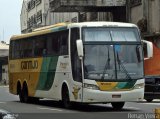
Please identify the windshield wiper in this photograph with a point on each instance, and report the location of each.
(107, 65)
(123, 67)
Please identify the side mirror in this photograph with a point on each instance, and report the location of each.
(148, 49)
(79, 44)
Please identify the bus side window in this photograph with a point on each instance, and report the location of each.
(40, 46)
(64, 43)
(27, 48)
(11, 50)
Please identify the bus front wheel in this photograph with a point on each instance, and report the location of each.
(149, 100)
(65, 97)
(117, 105)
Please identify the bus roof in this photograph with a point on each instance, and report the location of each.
(102, 24)
(41, 31)
(63, 26)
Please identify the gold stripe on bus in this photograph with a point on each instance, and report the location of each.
(25, 70)
(16, 37)
(39, 31)
(104, 86)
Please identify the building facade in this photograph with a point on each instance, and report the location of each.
(38, 13)
(24, 16)
(146, 14)
(81, 17)
(34, 14)
(88, 10)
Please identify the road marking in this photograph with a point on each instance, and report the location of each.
(152, 103)
(2, 102)
(4, 86)
(132, 108)
(49, 109)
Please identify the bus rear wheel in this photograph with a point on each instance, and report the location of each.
(33, 100)
(20, 96)
(65, 98)
(19, 92)
(24, 94)
(117, 105)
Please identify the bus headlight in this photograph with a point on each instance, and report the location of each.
(91, 86)
(139, 86)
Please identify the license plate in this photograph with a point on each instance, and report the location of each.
(116, 96)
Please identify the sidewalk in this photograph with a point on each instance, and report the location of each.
(4, 85)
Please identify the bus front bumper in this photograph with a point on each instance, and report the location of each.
(96, 96)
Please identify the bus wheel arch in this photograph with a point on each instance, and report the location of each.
(65, 96)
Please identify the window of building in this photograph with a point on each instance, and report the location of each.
(39, 17)
(134, 3)
(32, 2)
(31, 5)
(37, 2)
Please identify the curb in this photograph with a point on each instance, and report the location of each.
(5, 86)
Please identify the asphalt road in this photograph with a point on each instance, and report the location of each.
(48, 109)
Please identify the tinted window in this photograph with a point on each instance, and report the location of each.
(75, 62)
(40, 48)
(55, 43)
(111, 34)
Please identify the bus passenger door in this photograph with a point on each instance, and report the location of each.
(77, 89)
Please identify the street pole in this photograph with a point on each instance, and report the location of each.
(3, 34)
(128, 11)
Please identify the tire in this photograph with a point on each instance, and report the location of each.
(117, 105)
(24, 93)
(20, 96)
(33, 100)
(149, 100)
(65, 98)
(19, 92)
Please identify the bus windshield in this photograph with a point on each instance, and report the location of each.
(113, 61)
(118, 34)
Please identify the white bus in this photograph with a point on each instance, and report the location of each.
(90, 62)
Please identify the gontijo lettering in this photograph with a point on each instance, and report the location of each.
(29, 64)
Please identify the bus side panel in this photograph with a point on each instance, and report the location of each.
(47, 73)
(60, 73)
(62, 76)
(24, 70)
